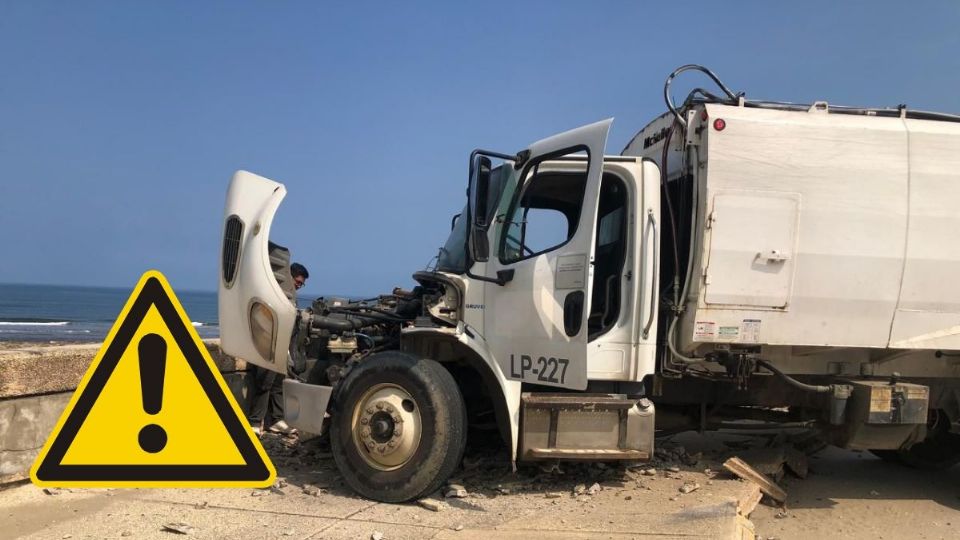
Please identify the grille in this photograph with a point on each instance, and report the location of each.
(231, 248)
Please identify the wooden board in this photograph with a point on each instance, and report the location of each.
(740, 468)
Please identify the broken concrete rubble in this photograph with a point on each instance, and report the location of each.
(689, 487)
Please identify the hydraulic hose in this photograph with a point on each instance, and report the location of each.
(681, 301)
(793, 382)
(688, 67)
(669, 203)
(671, 333)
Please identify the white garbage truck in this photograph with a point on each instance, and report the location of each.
(739, 260)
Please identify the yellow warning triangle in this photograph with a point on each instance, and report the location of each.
(152, 410)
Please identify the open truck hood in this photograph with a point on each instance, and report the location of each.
(256, 316)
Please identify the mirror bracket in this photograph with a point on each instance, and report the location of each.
(520, 159)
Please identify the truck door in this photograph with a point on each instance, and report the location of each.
(536, 323)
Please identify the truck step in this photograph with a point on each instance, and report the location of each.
(586, 427)
(587, 453)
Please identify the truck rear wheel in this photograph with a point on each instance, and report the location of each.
(940, 450)
(399, 427)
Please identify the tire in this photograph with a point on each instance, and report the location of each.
(939, 450)
(433, 414)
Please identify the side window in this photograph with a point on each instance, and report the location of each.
(609, 230)
(544, 228)
(545, 217)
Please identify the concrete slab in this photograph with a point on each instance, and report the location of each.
(24, 426)
(36, 382)
(29, 369)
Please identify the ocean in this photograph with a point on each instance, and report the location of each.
(45, 313)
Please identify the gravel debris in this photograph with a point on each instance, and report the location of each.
(178, 528)
(430, 504)
(456, 491)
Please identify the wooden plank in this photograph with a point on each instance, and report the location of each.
(740, 468)
(745, 529)
(748, 497)
(768, 461)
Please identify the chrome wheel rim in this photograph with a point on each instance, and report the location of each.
(386, 426)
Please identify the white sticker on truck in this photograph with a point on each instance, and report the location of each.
(704, 330)
(750, 331)
(571, 272)
(728, 333)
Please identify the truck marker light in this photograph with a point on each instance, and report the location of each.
(719, 124)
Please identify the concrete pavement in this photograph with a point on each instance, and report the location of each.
(499, 504)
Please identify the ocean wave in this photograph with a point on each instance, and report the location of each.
(34, 323)
(195, 323)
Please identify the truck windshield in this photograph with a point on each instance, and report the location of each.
(453, 256)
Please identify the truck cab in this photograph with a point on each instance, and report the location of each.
(546, 285)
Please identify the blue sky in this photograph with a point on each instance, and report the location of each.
(122, 122)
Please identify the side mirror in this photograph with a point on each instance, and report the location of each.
(481, 189)
(480, 169)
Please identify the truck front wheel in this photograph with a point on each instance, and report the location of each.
(399, 427)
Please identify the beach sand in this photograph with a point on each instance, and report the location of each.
(34, 345)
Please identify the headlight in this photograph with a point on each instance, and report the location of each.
(261, 329)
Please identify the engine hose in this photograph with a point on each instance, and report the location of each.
(338, 324)
(371, 316)
(352, 309)
(818, 389)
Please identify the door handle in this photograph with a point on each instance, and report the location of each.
(573, 313)
(643, 271)
(773, 255)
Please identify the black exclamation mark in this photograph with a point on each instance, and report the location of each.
(153, 362)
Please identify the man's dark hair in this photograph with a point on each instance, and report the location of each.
(297, 269)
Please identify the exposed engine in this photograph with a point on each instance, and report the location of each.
(333, 334)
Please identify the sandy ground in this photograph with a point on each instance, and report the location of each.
(855, 495)
(33, 345)
(846, 495)
(310, 501)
